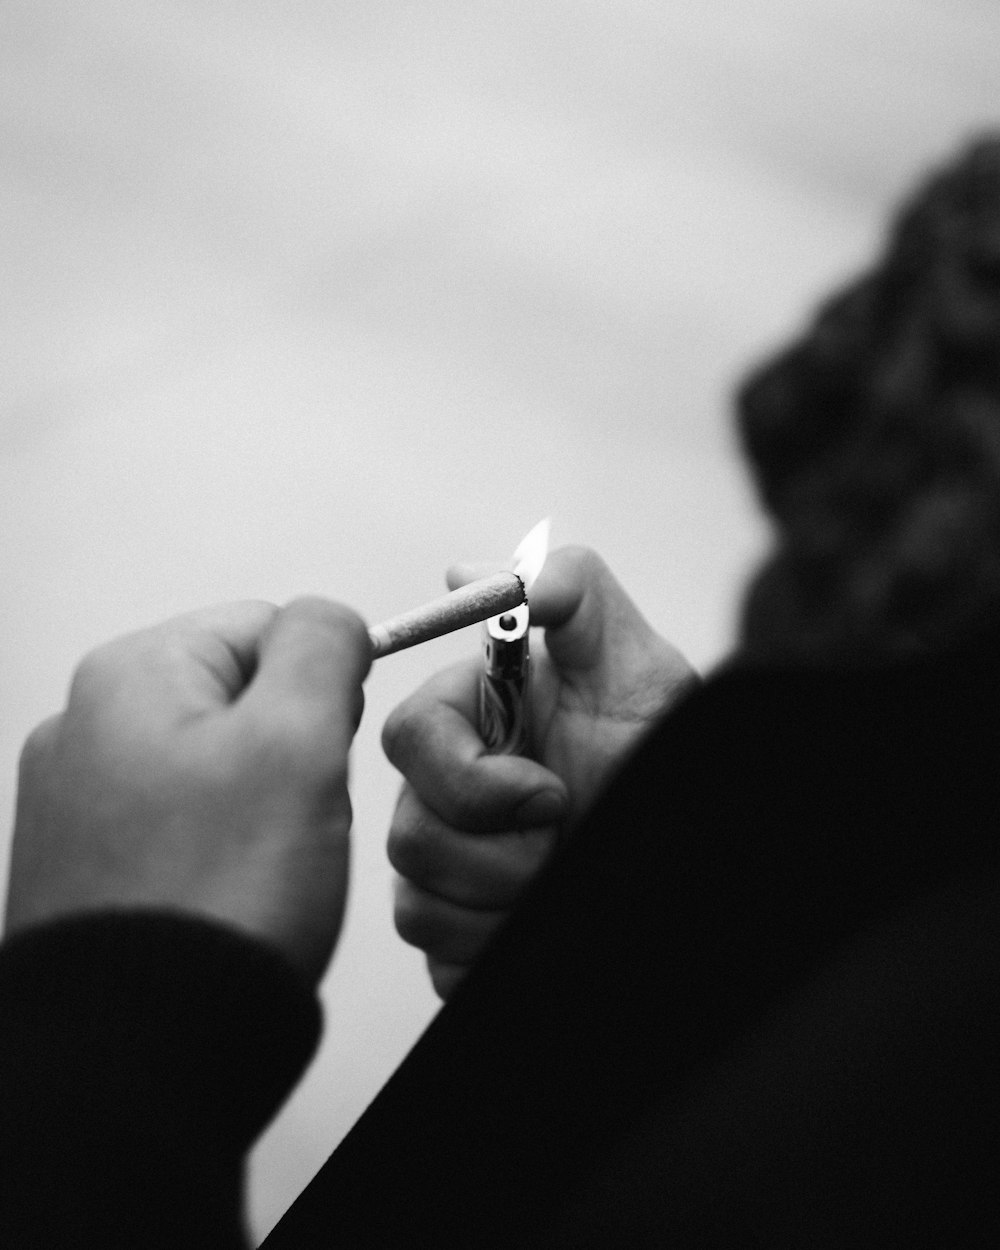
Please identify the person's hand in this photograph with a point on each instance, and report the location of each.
(471, 830)
(201, 765)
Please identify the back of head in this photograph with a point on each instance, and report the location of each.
(875, 442)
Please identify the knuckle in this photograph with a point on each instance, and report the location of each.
(327, 637)
(107, 669)
(93, 673)
(38, 744)
(519, 860)
(402, 733)
(327, 611)
(443, 931)
(405, 847)
(409, 915)
(465, 816)
(330, 615)
(475, 810)
(485, 795)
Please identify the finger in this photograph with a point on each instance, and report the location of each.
(184, 665)
(311, 663)
(37, 747)
(224, 641)
(459, 575)
(33, 779)
(480, 872)
(580, 603)
(239, 625)
(441, 929)
(585, 611)
(570, 577)
(601, 644)
(433, 741)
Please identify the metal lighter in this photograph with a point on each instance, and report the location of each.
(505, 690)
(505, 694)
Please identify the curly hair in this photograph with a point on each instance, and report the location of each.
(875, 442)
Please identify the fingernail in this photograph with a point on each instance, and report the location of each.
(547, 807)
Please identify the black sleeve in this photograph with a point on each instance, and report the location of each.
(140, 1056)
(752, 1002)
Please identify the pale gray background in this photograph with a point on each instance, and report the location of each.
(320, 297)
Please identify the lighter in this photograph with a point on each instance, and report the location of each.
(505, 700)
(505, 694)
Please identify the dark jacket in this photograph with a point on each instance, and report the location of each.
(752, 1003)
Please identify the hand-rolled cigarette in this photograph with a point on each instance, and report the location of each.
(479, 600)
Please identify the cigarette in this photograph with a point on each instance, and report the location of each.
(478, 601)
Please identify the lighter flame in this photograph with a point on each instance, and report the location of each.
(531, 552)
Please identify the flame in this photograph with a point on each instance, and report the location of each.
(531, 553)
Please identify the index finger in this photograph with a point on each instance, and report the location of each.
(224, 641)
(433, 740)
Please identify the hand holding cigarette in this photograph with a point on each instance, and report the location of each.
(473, 828)
(164, 784)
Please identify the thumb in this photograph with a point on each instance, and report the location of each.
(310, 668)
(581, 605)
(598, 640)
(588, 618)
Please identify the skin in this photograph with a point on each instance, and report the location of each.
(471, 830)
(201, 766)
